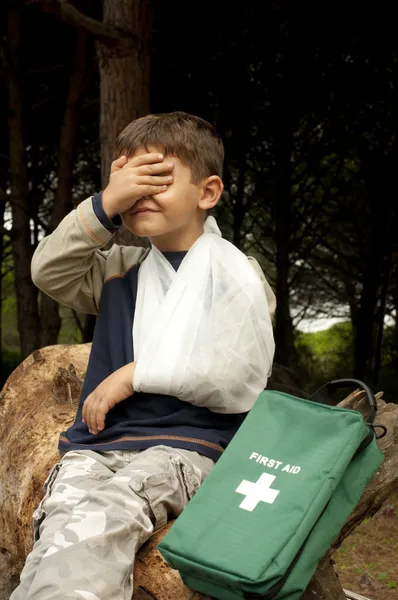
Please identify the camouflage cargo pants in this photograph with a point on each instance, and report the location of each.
(98, 509)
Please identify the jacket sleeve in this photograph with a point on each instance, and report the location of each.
(69, 265)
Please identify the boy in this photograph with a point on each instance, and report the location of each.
(182, 346)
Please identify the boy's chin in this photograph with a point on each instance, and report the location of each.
(142, 229)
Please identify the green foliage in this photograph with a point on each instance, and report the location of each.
(329, 354)
(70, 332)
(325, 355)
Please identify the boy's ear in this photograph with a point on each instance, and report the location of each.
(212, 189)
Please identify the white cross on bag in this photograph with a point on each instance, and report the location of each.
(257, 492)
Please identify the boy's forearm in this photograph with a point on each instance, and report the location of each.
(68, 264)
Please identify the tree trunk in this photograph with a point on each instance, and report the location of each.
(377, 359)
(88, 328)
(26, 292)
(284, 340)
(2, 211)
(124, 74)
(63, 204)
(365, 322)
(124, 82)
(394, 292)
(40, 399)
(367, 317)
(238, 208)
(282, 142)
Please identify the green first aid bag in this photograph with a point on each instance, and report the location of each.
(277, 498)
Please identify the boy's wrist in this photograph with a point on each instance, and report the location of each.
(107, 205)
(112, 225)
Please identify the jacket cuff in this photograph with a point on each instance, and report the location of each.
(90, 223)
(112, 225)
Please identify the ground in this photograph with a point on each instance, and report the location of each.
(367, 563)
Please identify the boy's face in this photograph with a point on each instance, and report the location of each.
(175, 218)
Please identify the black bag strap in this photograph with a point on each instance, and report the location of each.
(323, 395)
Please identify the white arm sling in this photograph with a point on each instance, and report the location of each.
(203, 334)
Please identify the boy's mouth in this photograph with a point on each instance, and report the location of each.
(143, 209)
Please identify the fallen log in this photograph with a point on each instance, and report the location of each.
(40, 399)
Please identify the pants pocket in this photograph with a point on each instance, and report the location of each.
(189, 478)
(168, 493)
(40, 514)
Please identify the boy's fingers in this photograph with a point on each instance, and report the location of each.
(155, 180)
(100, 419)
(87, 412)
(155, 169)
(97, 410)
(146, 159)
(91, 412)
(98, 416)
(84, 411)
(119, 163)
(152, 190)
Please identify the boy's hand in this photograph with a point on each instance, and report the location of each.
(145, 175)
(111, 391)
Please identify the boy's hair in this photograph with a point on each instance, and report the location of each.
(191, 139)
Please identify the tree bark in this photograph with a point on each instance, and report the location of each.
(394, 292)
(380, 225)
(377, 262)
(2, 211)
(88, 328)
(26, 292)
(124, 82)
(284, 340)
(238, 208)
(63, 203)
(365, 321)
(282, 142)
(124, 73)
(377, 359)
